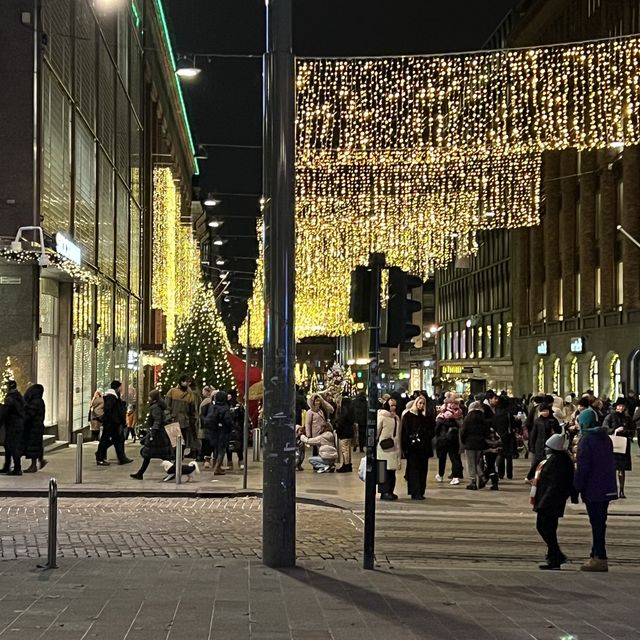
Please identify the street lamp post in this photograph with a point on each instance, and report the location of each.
(279, 491)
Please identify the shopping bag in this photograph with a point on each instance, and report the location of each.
(362, 469)
(619, 444)
(173, 431)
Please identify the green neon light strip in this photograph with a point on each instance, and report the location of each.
(136, 14)
(185, 117)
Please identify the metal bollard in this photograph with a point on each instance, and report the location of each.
(79, 443)
(257, 444)
(179, 460)
(52, 541)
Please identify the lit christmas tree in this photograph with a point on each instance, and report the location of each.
(336, 379)
(200, 347)
(7, 375)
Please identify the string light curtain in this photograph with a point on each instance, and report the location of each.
(176, 257)
(412, 156)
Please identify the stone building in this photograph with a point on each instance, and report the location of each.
(573, 313)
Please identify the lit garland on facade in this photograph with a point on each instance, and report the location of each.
(176, 258)
(412, 156)
(75, 271)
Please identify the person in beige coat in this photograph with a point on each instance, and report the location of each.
(389, 447)
(327, 452)
(316, 418)
(96, 411)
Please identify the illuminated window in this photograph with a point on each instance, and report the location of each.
(594, 376)
(620, 284)
(556, 376)
(540, 376)
(615, 379)
(573, 374)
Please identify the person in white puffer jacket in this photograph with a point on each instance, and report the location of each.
(327, 452)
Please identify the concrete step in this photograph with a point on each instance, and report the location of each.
(51, 444)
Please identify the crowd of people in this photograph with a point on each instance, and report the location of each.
(570, 443)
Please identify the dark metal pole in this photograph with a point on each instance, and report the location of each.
(376, 262)
(279, 489)
(245, 431)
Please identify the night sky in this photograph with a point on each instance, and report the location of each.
(225, 102)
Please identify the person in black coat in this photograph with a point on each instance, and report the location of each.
(114, 420)
(360, 414)
(473, 441)
(544, 426)
(155, 443)
(218, 424)
(447, 440)
(552, 485)
(619, 423)
(344, 431)
(12, 417)
(505, 425)
(34, 427)
(417, 431)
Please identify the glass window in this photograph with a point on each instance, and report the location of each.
(56, 25)
(135, 88)
(598, 287)
(56, 157)
(134, 253)
(122, 234)
(122, 134)
(83, 309)
(85, 63)
(507, 339)
(456, 345)
(594, 376)
(555, 384)
(123, 45)
(135, 159)
(540, 375)
(620, 284)
(573, 375)
(48, 349)
(121, 351)
(479, 342)
(105, 335)
(488, 350)
(106, 113)
(105, 216)
(85, 192)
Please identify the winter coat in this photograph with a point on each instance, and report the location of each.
(447, 435)
(156, 443)
(344, 426)
(542, 430)
(612, 422)
(115, 410)
(595, 476)
(450, 411)
(474, 432)
(360, 410)
(388, 426)
(506, 427)
(316, 419)
(218, 422)
(34, 422)
(417, 435)
(12, 416)
(555, 484)
(326, 444)
(301, 405)
(182, 407)
(96, 411)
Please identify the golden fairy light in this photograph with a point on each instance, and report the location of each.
(412, 156)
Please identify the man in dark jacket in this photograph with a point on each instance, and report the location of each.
(544, 426)
(113, 425)
(218, 424)
(595, 479)
(473, 441)
(553, 484)
(12, 413)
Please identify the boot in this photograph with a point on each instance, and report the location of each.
(218, 470)
(33, 468)
(595, 564)
(345, 468)
(472, 486)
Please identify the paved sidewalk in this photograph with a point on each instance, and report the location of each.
(151, 599)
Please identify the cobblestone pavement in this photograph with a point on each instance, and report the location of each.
(231, 528)
(167, 527)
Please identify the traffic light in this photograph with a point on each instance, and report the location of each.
(360, 300)
(400, 308)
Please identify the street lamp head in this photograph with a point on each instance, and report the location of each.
(186, 68)
(210, 201)
(215, 223)
(220, 262)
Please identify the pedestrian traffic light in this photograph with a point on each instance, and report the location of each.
(400, 308)
(360, 301)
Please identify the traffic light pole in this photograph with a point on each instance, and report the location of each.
(279, 489)
(376, 264)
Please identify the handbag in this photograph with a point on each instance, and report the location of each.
(389, 443)
(362, 469)
(173, 431)
(619, 444)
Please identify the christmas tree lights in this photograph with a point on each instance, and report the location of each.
(200, 347)
(7, 376)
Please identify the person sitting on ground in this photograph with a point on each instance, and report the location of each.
(155, 442)
(317, 417)
(327, 452)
